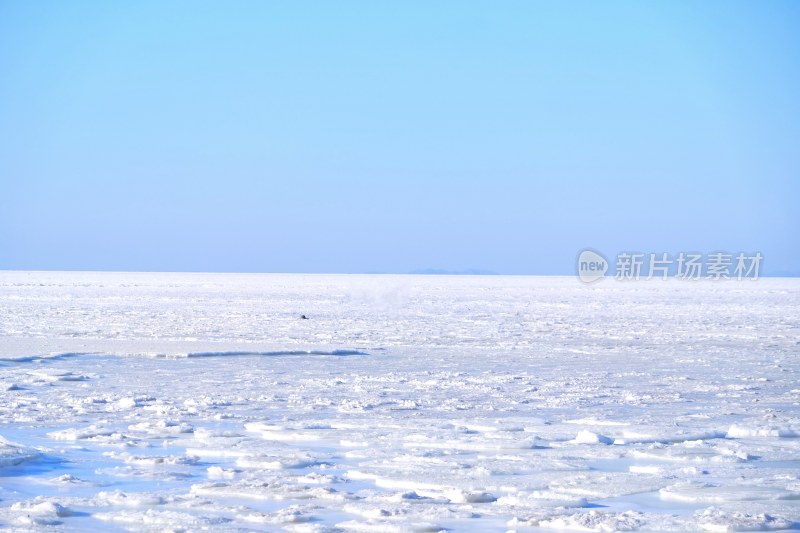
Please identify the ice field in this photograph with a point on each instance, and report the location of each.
(188, 402)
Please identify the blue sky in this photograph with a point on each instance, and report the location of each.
(390, 137)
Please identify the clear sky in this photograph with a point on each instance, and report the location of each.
(393, 136)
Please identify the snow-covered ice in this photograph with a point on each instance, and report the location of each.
(185, 402)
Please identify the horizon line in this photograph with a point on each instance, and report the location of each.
(433, 273)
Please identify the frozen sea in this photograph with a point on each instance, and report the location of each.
(189, 402)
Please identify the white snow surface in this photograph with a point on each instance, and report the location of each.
(188, 402)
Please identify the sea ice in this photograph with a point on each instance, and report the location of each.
(185, 402)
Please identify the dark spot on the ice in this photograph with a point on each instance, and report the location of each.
(304, 317)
